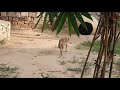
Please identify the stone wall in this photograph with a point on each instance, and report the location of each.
(21, 20)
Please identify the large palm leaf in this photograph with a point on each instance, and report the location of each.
(61, 18)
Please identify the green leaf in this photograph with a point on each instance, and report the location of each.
(74, 23)
(86, 14)
(57, 21)
(51, 17)
(62, 21)
(56, 14)
(44, 23)
(79, 17)
(40, 16)
(69, 26)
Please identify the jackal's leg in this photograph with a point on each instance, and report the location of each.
(61, 52)
(66, 49)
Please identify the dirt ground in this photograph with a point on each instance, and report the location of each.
(37, 55)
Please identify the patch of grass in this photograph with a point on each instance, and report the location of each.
(75, 60)
(118, 24)
(46, 75)
(8, 72)
(117, 47)
(88, 65)
(117, 65)
(117, 68)
(77, 69)
(80, 68)
(87, 44)
(96, 46)
(62, 62)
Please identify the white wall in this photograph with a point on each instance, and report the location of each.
(5, 27)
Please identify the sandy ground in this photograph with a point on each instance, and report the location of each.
(37, 54)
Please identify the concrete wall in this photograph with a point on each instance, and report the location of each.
(5, 27)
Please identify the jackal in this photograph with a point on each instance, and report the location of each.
(63, 42)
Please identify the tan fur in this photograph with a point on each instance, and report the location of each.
(63, 42)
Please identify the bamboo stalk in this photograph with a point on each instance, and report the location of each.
(94, 38)
(106, 48)
(113, 51)
(99, 56)
(108, 38)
